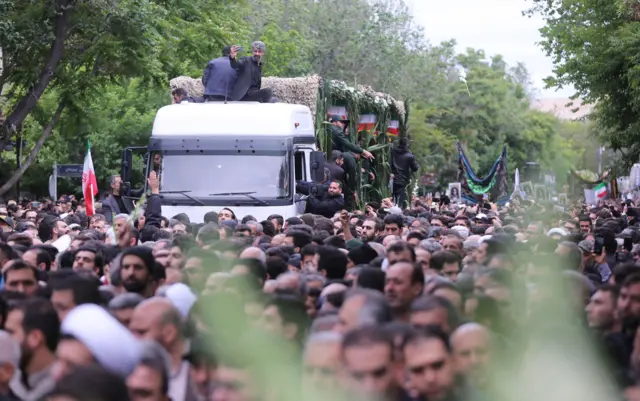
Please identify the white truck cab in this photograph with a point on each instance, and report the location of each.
(244, 156)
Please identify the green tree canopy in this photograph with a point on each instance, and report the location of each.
(594, 47)
(98, 70)
(72, 50)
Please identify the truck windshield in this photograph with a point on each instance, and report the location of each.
(202, 175)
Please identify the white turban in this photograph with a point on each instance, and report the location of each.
(181, 297)
(556, 231)
(110, 343)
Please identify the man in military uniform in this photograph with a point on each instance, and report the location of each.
(351, 152)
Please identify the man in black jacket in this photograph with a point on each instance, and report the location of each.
(248, 86)
(318, 190)
(403, 165)
(115, 203)
(328, 205)
(335, 166)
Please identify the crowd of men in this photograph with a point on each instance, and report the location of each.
(388, 303)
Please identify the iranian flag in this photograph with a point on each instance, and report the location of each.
(600, 190)
(89, 183)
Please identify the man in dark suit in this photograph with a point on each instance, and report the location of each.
(249, 82)
(115, 203)
(219, 77)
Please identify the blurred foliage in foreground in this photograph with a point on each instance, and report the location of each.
(545, 352)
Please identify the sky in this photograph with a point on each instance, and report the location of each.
(496, 26)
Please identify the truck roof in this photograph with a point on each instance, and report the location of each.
(234, 118)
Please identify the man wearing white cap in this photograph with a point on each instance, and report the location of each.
(182, 298)
(90, 334)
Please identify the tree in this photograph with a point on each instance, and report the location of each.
(435, 149)
(487, 117)
(287, 55)
(594, 46)
(120, 115)
(74, 48)
(118, 56)
(494, 113)
(377, 43)
(357, 41)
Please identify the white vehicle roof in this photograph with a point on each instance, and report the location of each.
(234, 118)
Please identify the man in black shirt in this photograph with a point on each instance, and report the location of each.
(248, 87)
(403, 165)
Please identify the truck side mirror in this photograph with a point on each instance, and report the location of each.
(317, 166)
(127, 165)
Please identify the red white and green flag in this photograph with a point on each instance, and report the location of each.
(89, 182)
(600, 190)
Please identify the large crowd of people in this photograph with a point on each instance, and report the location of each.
(418, 303)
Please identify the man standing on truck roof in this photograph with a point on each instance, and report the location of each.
(219, 77)
(249, 83)
(349, 151)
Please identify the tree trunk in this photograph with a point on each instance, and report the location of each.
(3, 71)
(29, 100)
(34, 152)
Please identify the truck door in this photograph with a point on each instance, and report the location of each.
(302, 172)
(300, 164)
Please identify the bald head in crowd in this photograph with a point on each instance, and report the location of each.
(289, 281)
(471, 345)
(149, 318)
(254, 253)
(157, 319)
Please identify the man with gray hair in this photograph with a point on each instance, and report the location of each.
(122, 306)
(430, 245)
(116, 203)
(321, 360)
(248, 87)
(256, 228)
(363, 307)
